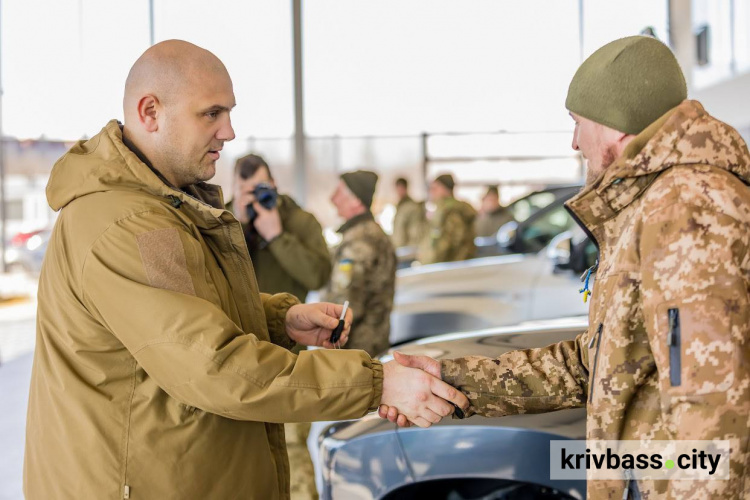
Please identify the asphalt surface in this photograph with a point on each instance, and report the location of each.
(17, 334)
(14, 394)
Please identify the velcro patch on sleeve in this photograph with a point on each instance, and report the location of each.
(164, 260)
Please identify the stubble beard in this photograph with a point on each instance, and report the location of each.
(608, 158)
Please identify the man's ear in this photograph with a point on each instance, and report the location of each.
(622, 142)
(625, 138)
(148, 109)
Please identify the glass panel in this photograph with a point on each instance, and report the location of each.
(613, 19)
(715, 15)
(539, 233)
(742, 35)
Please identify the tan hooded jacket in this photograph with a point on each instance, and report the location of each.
(155, 372)
(667, 354)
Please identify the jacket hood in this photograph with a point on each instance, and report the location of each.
(685, 135)
(104, 163)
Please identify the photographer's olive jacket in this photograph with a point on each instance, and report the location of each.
(667, 353)
(298, 260)
(155, 373)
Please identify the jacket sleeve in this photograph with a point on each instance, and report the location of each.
(524, 381)
(696, 282)
(302, 252)
(146, 280)
(275, 308)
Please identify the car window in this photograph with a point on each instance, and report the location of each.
(526, 207)
(539, 233)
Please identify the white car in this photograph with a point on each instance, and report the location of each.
(492, 291)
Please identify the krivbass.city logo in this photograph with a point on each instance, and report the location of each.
(655, 460)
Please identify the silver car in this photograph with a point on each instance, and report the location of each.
(495, 291)
(476, 458)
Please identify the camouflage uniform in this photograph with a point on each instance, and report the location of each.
(364, 273)
(408, 224)
(667, 354)
(450, 234)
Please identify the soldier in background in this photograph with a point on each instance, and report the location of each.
(364, 264)
(492, 216)
(450, 233)
(408, 224)
(286, 243)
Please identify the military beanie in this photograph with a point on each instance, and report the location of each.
(446, 180)
(627, 84)
(362, 184)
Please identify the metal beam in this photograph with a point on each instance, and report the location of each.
(300, 173)
(3, 204)
(151, 21)
(580, 30)
(682, 38)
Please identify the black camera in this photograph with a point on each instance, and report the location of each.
(264, 194)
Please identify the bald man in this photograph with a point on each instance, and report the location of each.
(160, 371)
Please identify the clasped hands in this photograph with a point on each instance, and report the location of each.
(413, 392)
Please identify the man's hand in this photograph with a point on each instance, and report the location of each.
(240, 203)
(413, 395)
(268, 222)
(425, 363)
(312, 324)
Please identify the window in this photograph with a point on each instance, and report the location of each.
(14, 210)
(526, 207)
(540, 232)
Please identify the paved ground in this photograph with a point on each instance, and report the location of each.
(17, 334)
(17, 330)
(14, 388)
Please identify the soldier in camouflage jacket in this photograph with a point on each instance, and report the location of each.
(364, 265)
(672, 219)
(450, 232)
(667, 353)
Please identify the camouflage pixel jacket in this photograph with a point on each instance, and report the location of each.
(667, 353)
(364, 273)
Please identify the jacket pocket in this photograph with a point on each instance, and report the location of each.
(673, 344)
(596, 340)
(694, 348)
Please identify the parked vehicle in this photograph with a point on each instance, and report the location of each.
(498, 458)
(525, 212)
(495, 291)
(25, 251)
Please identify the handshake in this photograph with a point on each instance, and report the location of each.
(414, 393)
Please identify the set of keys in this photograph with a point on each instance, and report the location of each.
(336, 334)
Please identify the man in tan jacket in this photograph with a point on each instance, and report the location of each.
(160, 371)
(667, 353)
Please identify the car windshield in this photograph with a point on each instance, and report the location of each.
(526, 207)
(541, 231)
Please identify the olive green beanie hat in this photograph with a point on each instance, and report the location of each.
(446, 180)
(362, 184)
(627, 84)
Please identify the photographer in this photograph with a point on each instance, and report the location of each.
(286, 243)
